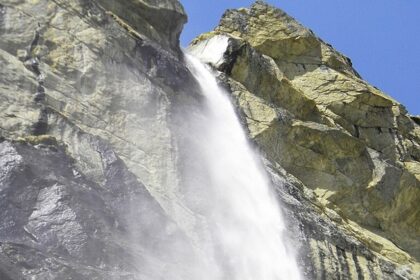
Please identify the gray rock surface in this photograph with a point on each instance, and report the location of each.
(97, 83)
(56, 224)
(94, 135)
(75, 68)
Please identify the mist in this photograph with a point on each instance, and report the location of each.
(241, 233)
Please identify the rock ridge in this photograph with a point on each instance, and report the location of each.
(350, 146)
(93, 134)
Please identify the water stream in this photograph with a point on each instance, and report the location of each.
(247, 224)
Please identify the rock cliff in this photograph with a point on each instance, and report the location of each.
(353, 150)
(93, 136)
(86, 94)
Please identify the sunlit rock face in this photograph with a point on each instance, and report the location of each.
(76, 68)
(353, 150)
(86, 94)
(94, 143)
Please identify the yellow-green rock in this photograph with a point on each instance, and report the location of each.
(310, 112)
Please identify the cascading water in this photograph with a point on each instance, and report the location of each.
(247, 226)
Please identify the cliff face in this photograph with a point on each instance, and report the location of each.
(353, 150)
(93, 136)
(86, 93)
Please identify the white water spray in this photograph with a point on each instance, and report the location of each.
(245, 215)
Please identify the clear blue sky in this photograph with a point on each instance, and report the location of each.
(382, 37)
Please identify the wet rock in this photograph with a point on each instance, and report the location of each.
(59, 224)
(93, 136)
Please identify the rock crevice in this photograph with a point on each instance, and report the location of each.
(94, 135)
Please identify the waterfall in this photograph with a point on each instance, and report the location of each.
(247, 225)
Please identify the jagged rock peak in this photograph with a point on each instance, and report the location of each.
(275, 33)
(352, 147)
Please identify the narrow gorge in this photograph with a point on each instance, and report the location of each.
(258, 152)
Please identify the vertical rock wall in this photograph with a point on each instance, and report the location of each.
(88, 181)
(93, 135)
(353, 150)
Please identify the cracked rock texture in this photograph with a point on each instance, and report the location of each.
(353, 149)
(86, 123)
(93, 136)
(76, 69)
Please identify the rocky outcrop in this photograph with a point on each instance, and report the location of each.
(87, 121)
(146, 18)
(78, 69)
(94, 136)
(353, 149)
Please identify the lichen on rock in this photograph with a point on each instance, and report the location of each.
(93, 96)
(311, 113)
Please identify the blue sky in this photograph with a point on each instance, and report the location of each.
(382, 37)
